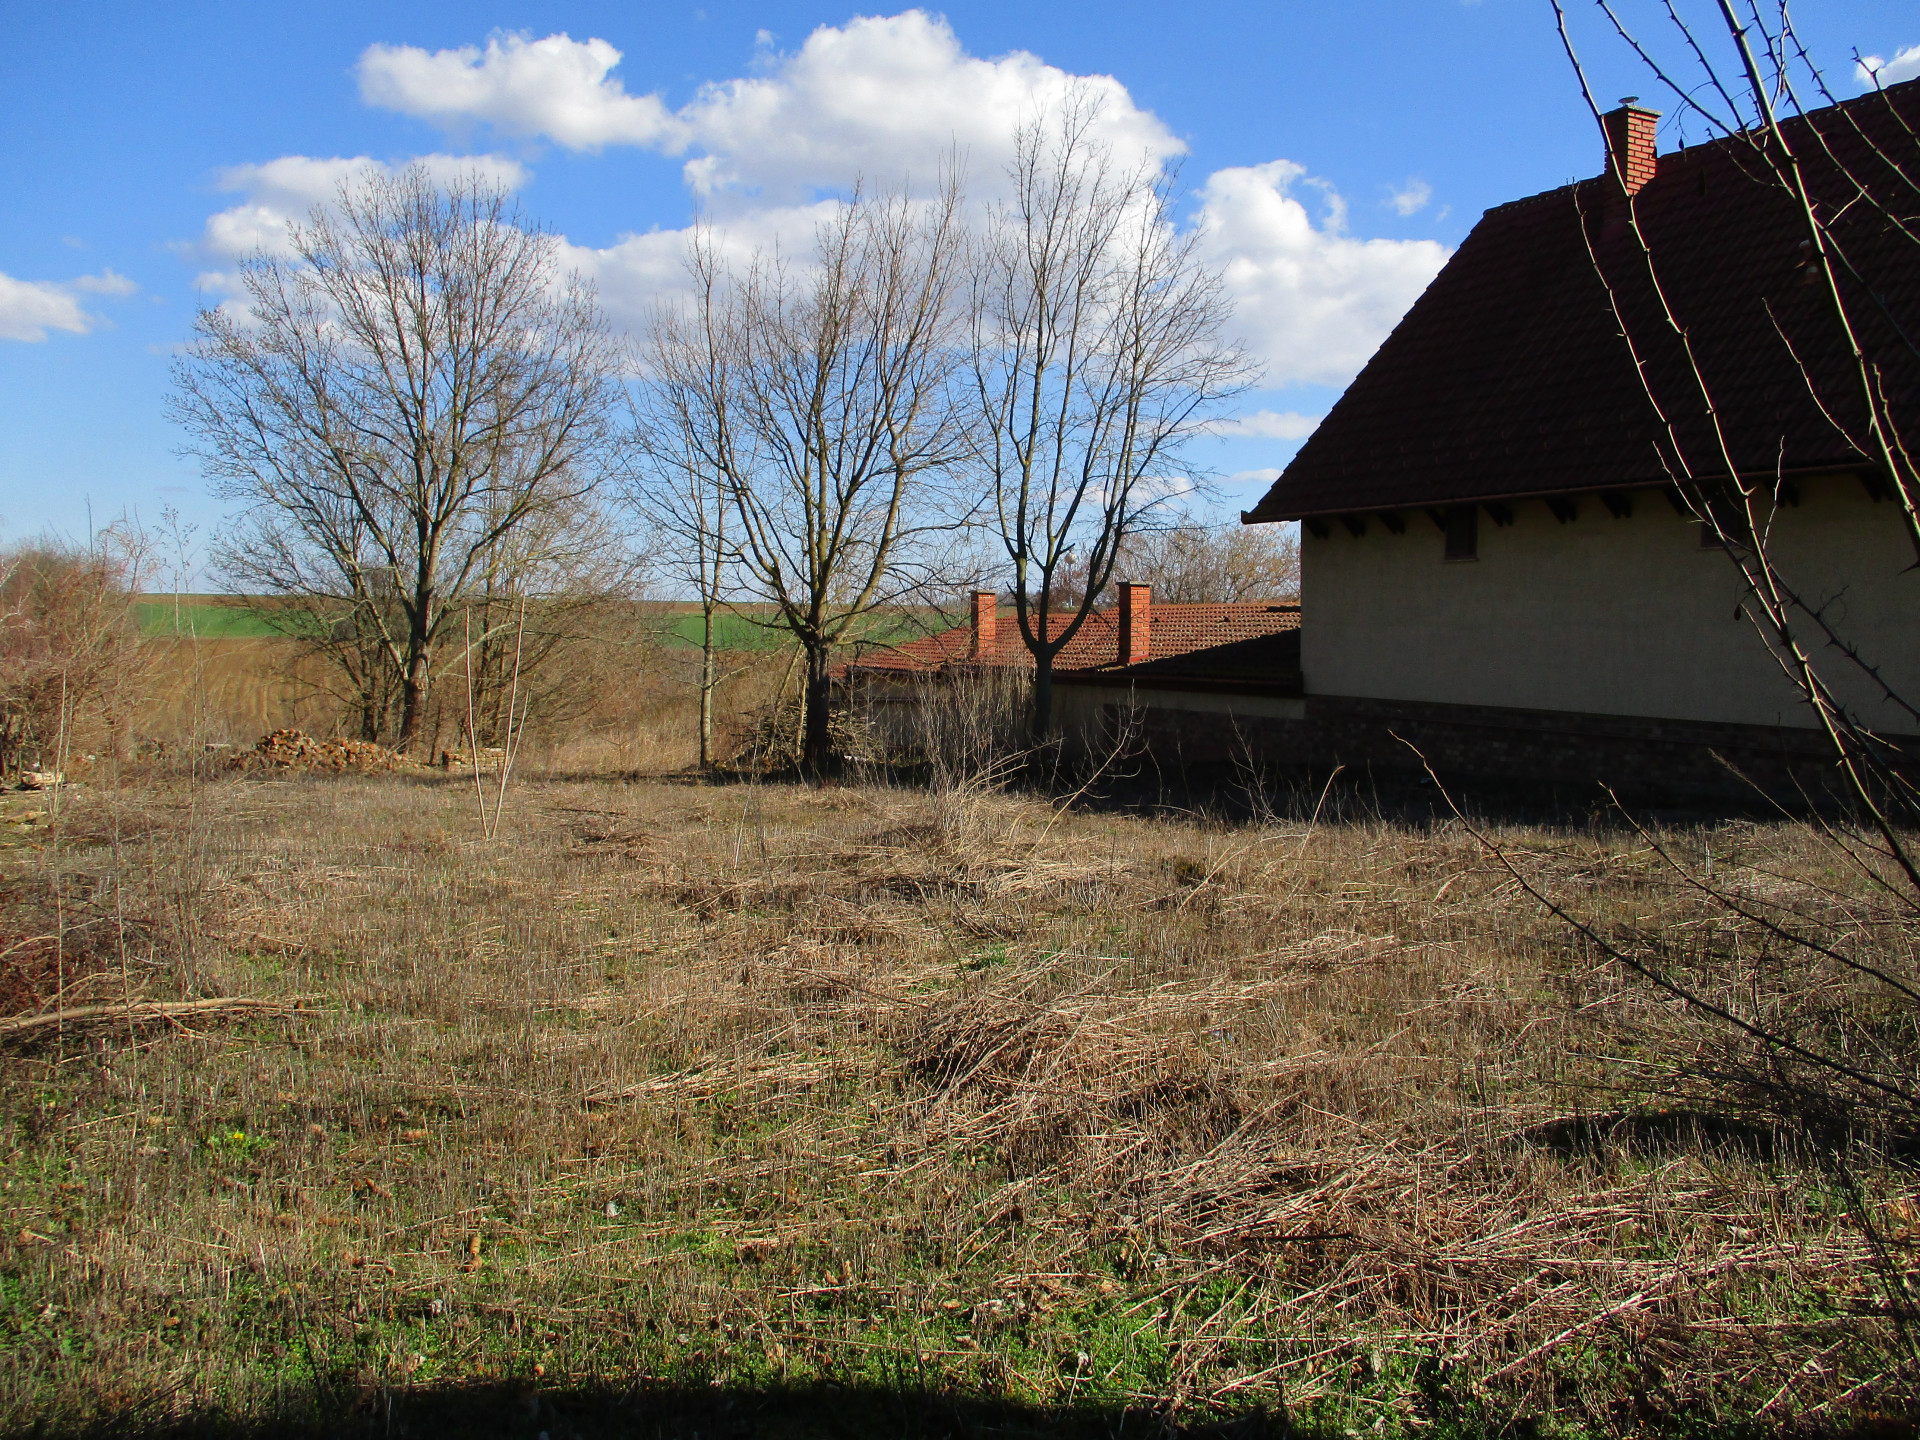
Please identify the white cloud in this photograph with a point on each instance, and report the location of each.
(1311, 300)
(880, 96)
(1265, 475)
(557, 87)
(883, 96)
(639, 269)
(1165, 490)
(887, 95)
(1905, 65)
(107, 282)
(286, 190)
(1269, 425)
(30, 308)
(1411, 198)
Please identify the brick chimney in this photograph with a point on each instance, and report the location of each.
(1631, 157)
(985, 623)
(1136, 623)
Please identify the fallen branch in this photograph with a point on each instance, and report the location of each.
(137, 1011)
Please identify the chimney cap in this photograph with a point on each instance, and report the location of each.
(1629, 99)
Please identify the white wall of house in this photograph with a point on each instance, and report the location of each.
(1608, 616)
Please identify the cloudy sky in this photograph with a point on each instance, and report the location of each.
(1332, 156)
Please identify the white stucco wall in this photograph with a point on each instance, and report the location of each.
(1608, 616)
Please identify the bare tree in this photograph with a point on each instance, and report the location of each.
(1095, 353)
(412, 383)
(684, 426)
(336, 601)
(820, 396)
(550, 608)
(1193, 564)
(1188, 563)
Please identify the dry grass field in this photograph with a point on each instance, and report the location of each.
(231, 689)
(766, 1109)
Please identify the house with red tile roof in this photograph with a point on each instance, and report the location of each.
(1203, 659)
(1496, 562)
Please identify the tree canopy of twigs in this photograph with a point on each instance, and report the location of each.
(1095, 352)
(548, 616)
(398, 402)
(1189, 563)
(816, 399)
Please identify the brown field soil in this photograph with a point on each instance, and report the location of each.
(860, 1110)
(232, 690)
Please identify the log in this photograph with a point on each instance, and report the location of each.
(137, 1011)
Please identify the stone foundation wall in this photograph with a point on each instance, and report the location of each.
(1648, 761)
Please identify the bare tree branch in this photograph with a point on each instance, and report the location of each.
(392, 403)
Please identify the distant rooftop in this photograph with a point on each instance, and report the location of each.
(1174, 631)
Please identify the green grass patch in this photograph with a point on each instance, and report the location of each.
(206, 620)
(751, 630)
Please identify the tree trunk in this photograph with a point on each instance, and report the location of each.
(817, 757)
(413, 686)
(1042, 697)
(706, 687)
(413, 695)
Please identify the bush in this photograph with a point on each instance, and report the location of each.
(70, 655)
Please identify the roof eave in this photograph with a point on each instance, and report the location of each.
(1259, 515)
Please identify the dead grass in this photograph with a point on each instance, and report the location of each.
(761, 1085)
(638, 717)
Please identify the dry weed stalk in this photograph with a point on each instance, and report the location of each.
(515, 730)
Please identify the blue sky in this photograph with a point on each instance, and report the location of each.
(1334, 153)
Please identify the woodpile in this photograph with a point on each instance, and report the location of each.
(487, 757)
(288, 749)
